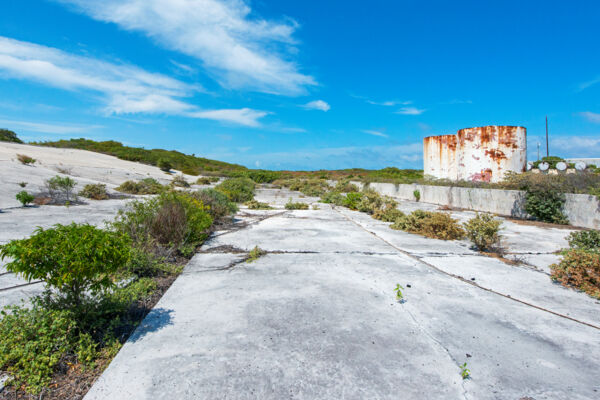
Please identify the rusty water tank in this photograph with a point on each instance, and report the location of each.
(440, 156)
(487, 153)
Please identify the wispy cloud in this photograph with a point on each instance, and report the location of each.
(591, 116)
(317, 105)
(389, 103)
(124, 89)
(238, 48)
(565, 146)
(587, 84)
(410, 111)
(375, 133)
(48, 127)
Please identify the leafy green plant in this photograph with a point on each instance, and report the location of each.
(257, 205)
(579, 269)
(546, 205)
(95, 191)
(179, 180)
(164, 164)
(203, 180)
(25, 160)
(585, 240)
(398, 290)
(389, 213)
(482, 230)
(145, 186)
(9, 136)
(352, 200)
(73, 259)
(437, 225)
(344, 186)
(255, 254)
(417, 195)
(238, 190)
(465, 373)
(61, 188)
(22, 184)
(24, 198)
(217, 203)
(290, 205)
(333, 198)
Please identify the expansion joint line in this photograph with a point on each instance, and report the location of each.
(467, 281)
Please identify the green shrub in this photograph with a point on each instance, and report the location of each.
(437, 225)
(308, 187)
(333, 198)
(585, 240)
(483, 230)
(179, 180)
(145, 186)
(203, 180)
(238, 190)
(290, 205)
(22, 184)
(73, 259)
(95, 191)
(371, 202)
(388, 213)
(257, 205)
(255, 254)
(164, 164)
(166, 222)
(551, 160)
(60, 188)
(417, 195)
(24, 197)
(580, 269)
(217, 203)
(352, 200)
(257, 175)
(546, 205)
(9, 136)
(33, 342)
(345, 187)
(25, 160)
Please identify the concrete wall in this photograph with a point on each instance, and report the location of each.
(581, 209)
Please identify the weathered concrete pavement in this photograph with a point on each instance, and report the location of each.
(316, 318)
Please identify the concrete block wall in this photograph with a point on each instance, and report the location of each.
(581, 209)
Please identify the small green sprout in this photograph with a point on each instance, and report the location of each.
(255, 254)
(464, 371)
(398, 290)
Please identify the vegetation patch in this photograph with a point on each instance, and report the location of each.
(217, 203)
(585, 240)
(482, 230)
(60, 189)
(145, 186)
(290, 205)
(257, 205)
(24, 198)
(9, 136)
(25, 160)
(94, 191)
(255, 254)
(579, 269)
(238, 190)
(436, 225)
(179, 181)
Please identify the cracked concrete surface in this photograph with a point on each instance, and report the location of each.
(316, 318)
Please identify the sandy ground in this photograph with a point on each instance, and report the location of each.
(316, 318)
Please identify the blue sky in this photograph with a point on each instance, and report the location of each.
(288, 84)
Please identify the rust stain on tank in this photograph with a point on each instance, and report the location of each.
(496, 155)
(484, 176)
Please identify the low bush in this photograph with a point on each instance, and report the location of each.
(388, 213)
(73, 259)
(25, 160)
(437, 225)
(24, 198)
(309, 187)
(417, 195)
(94, 191)
(257, 175)
(352, 200)
(580, 269)
(60, 188)
(482, 231)
(238, 190)
(546, 205)
(333, 198)
(290, 205)
(164, 164)
(585, 240)
(257, 205)
(255, 254)
(9, 136)
(22, 184)
(145, 186)
(345, 187)
(203, 180)
(165, 223)
(217, 203)
(179, 180)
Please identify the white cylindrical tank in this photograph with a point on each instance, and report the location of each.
(439, 157)
(487, 153)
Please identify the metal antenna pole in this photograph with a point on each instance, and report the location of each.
(547, 149)
(538, 143)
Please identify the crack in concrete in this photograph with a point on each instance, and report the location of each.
(467, 281)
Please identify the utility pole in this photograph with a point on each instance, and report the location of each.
(538, 146)
(547, 149)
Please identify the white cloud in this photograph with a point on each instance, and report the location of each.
(591, 116)
(125, 89)
(45, 127)
(564, 146)
(585, 85)
(238, 48)
(375, 133)
(317, 105)
(389, 103)
(410, 111)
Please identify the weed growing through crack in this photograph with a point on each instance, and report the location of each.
(398, 290)
(255, 254)
(464, 371)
